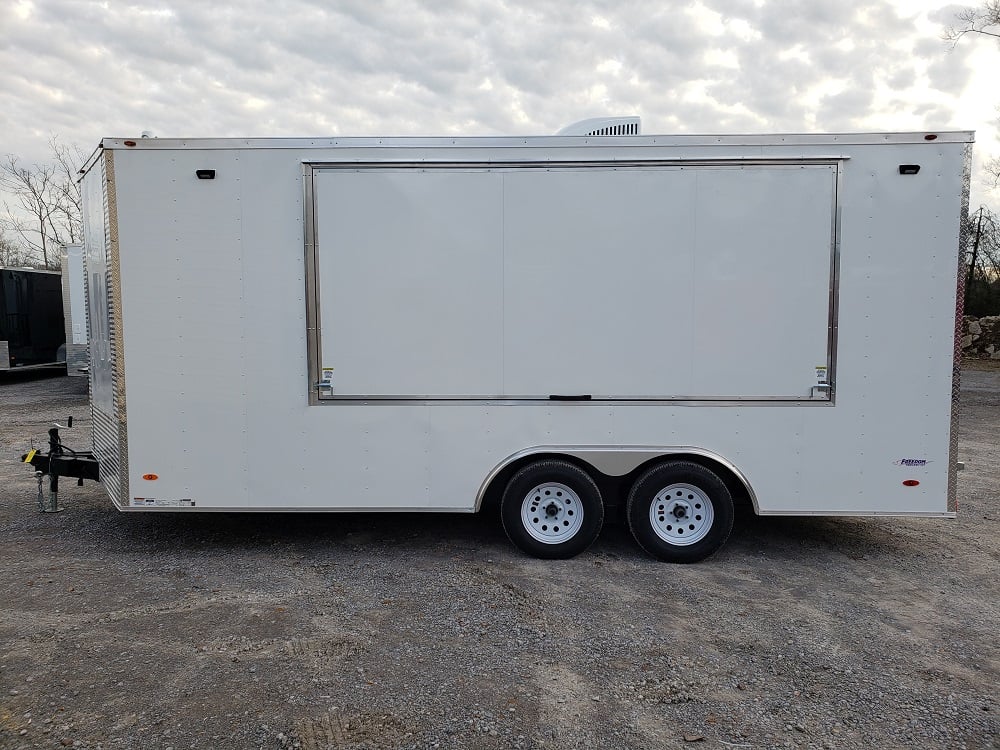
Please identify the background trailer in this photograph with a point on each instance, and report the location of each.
(650, 325)
(31, 318)
(74, 292)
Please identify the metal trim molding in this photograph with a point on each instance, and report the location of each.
(115, 293)
(541, 141)
(857, 514)
(956, 377)
(833, 326)
(313, 350)
(314, 332)
(612, 165)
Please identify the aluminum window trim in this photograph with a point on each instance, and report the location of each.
(314, 335)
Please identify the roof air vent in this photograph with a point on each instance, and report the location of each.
(604, 126)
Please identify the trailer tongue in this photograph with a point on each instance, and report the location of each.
(60, 461)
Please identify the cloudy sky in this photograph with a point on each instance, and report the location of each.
(84, 70)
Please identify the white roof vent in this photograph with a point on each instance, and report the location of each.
(604, 126)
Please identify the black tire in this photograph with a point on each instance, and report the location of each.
(697, 504)
(570, 505)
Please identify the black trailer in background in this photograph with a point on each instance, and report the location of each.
(32, 330)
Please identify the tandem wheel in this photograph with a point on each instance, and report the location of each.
(552, 509)
(680, 511)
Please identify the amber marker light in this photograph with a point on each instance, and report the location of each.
(150, 477)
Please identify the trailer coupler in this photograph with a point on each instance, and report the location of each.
(60, 461)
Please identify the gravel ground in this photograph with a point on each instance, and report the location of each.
(422, 631)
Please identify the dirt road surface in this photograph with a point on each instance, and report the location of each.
(426, 631)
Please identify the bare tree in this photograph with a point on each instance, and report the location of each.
(30, 217)
(982, 295)
(44, 210)
(69, 203)
(993, 167)
(982, 21)
(12, 254)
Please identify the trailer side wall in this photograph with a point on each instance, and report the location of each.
(215, 346)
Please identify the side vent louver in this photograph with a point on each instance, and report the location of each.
(630, 129)
(604, 126)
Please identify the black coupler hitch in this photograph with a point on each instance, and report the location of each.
(60, 461)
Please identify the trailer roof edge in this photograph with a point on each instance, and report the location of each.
(540, 141)
(91, 160)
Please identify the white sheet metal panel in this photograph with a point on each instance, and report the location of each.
(761, 279)
(109, 447)
(897, 317)
(644, 282)
(73, 278)
(410, 278)
(279, 423)
(598, 272)
(253, 441)
(660, 282)
(182, 303)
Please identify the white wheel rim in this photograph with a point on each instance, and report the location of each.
(681, 514)
(552, 513)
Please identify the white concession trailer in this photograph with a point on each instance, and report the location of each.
(571, 326)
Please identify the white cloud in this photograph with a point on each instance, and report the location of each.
(86, 69)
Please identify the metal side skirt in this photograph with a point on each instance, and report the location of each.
(859, 513)
(467, 511)
(283, 509)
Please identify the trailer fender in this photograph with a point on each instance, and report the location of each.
(616, 461)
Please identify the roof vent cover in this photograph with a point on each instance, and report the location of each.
(604, 126)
